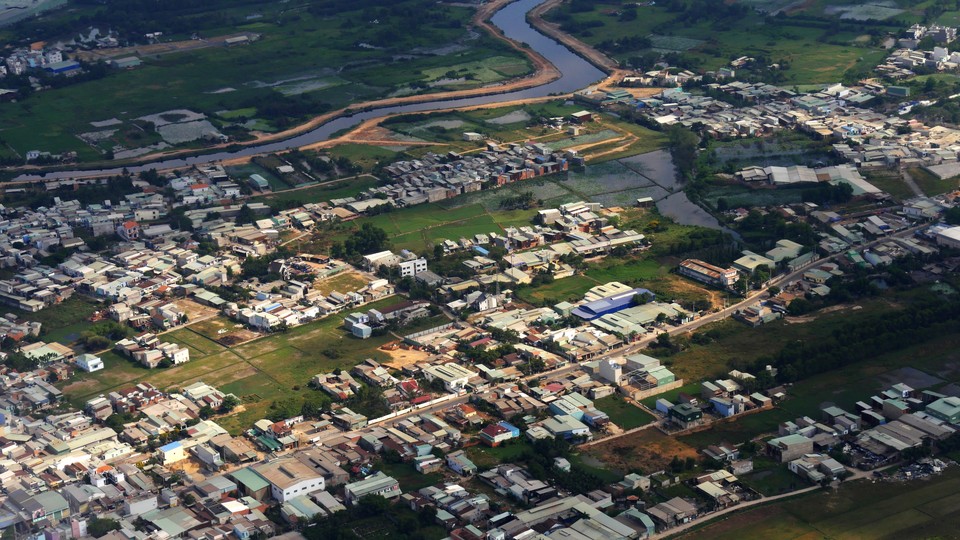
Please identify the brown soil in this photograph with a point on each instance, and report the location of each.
(404, 357)
(648, 449)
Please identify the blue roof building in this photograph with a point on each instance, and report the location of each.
(609, 304)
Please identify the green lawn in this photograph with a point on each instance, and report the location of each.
(892, 183)
(571, 288)
(771, 478)
(408, 477)
(626, 415)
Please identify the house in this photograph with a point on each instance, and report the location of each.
(171, 453)
(789, 447)
(453, 376)
(89, 362)
(129, 230)
(673, 512)
(461, 464)
(494, 434)
(375, 484)
(289, 477)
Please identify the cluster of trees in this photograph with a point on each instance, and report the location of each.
(625, 44)
(21, 362)
(521, 201)
(259, 267)
(539, 462)
(760, 227)
(102, 335)
(369, 239)
(683, 147)
(283, 111)
(481, 355)
(865, 338)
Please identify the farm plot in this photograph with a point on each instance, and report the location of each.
(673, 43)
(876, 11)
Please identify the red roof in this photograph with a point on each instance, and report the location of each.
(493, 430)
(130, 224)
(200, 186)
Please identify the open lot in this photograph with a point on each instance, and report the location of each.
(624, 414)
(927, 508)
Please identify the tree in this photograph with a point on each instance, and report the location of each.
(246, 215)
(98, 527)
(229, 403)
(683, 147)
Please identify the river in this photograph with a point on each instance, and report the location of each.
(576, 73)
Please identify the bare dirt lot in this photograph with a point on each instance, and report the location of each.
(649, 449)
(404, 357)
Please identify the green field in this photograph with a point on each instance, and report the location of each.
(338, 189)
(811, 54)
(858, 510)
(892, 183)
(930, 184)
(623, 414)
(301, 58)
(259, 372)
(485, 457)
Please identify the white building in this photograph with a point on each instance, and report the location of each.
(289, 478)
(453, 376)
(89, 362)
(949, 237)
(412, 268)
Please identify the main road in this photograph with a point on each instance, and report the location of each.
(568, 72)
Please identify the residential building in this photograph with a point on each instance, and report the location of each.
(289, 478)
(375, 484)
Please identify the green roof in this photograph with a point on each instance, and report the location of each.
(250, 479)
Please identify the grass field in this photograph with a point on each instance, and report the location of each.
(259, 372)
(623, 414)
(300, 55)
(930, 184)
(892, 183)
(809, 56)
(485, 457)
(348, 187)
(858, 510)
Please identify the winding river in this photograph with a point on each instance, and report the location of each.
(576, 73)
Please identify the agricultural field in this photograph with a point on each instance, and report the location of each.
(927, 508)
(259, 371)
(302, 64)
(811, 54)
